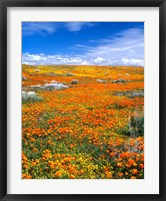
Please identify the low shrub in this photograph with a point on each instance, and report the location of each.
(135, 126)
(30, 96)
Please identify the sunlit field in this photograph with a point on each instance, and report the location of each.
(82, 122)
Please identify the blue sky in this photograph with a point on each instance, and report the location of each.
(83, 43)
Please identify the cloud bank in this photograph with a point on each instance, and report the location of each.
(41, 59)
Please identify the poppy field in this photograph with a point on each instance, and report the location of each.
(82, 122)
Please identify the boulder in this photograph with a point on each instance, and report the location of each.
(101, 80)
(131, 94)
(74, 82)
(55, 86)
(121, 80)
(136, 94)
(53, 81)
(24, 78)
(69, 74)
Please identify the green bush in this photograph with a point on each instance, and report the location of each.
(135, 127)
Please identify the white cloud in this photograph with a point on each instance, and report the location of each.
(30, 28)
(84, 63)
(45, 28)
(125, 60)
(130, 42)
(138, 62)
(126, 48)
(99, 60)
(41, 59)
(77, 26)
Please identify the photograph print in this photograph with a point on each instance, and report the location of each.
(82, 100)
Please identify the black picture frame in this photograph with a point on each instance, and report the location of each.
(4, 4)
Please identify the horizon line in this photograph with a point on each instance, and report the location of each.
(84, 65)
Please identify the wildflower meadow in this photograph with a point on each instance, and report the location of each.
(82, 122)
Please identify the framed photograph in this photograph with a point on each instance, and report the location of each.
(82, 100)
